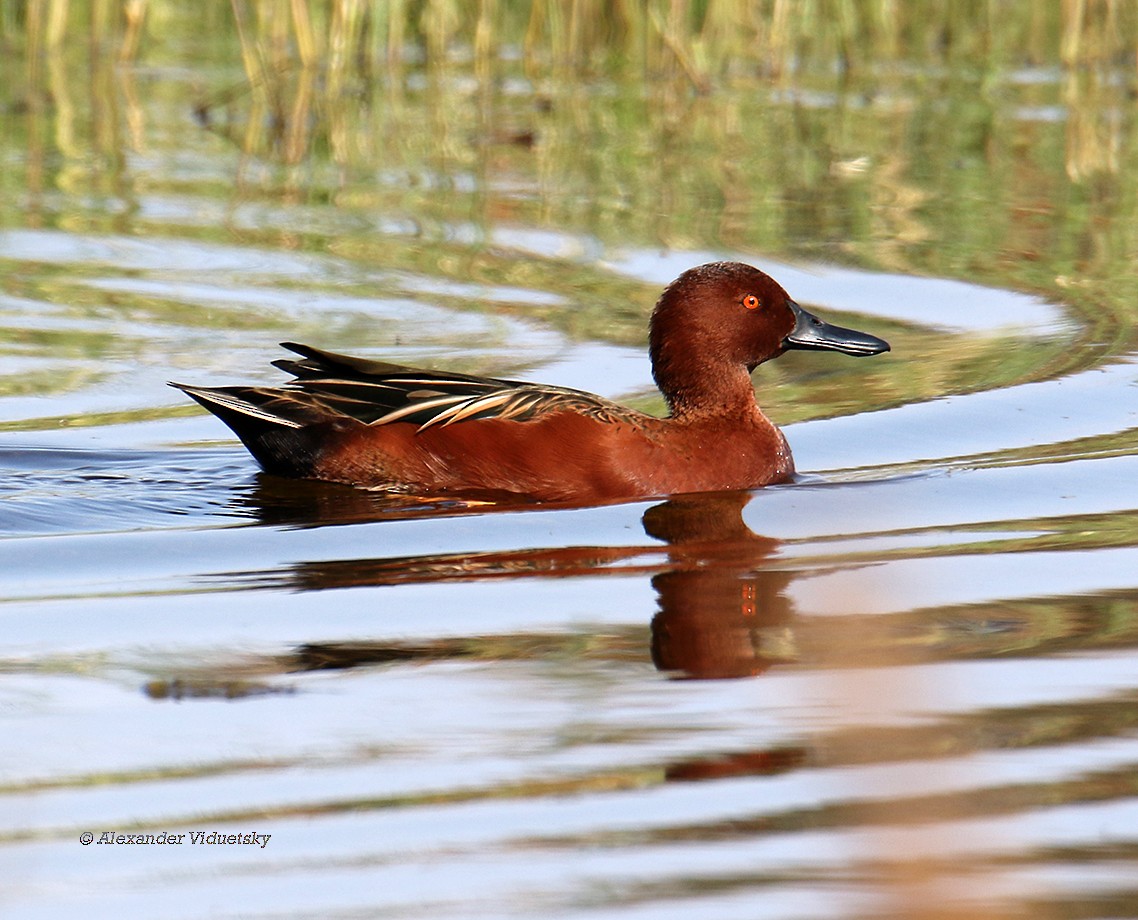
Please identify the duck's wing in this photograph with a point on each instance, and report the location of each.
(329, 385)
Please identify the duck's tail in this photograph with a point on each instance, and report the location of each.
(282, 432)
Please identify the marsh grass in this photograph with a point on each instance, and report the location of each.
(700, 40)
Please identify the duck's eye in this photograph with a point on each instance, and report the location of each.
(751, 302)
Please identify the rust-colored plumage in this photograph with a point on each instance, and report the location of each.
(429, 433)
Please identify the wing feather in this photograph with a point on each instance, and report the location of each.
(327, 386)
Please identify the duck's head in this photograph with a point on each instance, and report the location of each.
(723, 318)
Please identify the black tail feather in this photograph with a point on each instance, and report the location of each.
(280, 447)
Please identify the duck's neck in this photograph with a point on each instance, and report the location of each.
(720, 392)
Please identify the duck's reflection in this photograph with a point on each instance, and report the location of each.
(279, 502)
(718, 602)
(721, 605)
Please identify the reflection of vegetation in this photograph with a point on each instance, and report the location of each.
(1082, 532)
(441, 138)
(944, 741)
(1115, 444)
(96, 419)
(1024, 628)
(696, 40)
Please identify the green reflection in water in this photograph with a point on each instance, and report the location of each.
(524, 158)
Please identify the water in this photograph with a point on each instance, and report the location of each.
(903, 686)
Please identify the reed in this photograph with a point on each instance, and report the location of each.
(325, 82)
(697, 41)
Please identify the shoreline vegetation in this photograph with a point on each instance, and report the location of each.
(700, 41)
(309, 85)
(304, 60)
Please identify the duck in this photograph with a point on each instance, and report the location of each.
(436, 434)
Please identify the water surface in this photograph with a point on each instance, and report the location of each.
(905, 685)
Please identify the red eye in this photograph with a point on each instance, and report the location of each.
(751, 302)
